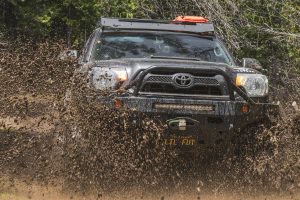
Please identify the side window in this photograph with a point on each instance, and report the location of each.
(87, 47)
(219, 54)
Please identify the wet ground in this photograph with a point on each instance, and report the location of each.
(115, 159)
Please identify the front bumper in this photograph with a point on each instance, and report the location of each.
(215, 123)
(211, 119)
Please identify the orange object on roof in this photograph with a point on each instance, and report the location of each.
(195, 19)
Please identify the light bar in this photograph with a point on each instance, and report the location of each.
(155, 25)
(207, 108)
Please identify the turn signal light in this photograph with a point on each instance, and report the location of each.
(122, 76)
(118, 103)
(245, 108)
(240, 80)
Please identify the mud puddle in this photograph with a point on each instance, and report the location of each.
(23, 191)
(34, 157)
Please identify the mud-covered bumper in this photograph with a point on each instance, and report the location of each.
(210, 121)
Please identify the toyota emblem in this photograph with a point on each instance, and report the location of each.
(183, 80)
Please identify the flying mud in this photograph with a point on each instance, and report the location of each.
(52, 143)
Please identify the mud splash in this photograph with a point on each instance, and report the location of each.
(99, 151)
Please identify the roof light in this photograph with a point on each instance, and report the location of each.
(195, 19)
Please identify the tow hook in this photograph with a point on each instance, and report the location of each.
(180, 123)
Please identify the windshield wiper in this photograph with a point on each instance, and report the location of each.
(175, 58)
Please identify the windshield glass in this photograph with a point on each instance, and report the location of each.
(114, 45)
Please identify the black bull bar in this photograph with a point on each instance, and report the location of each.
(258, 109)
(229, 111)
(138, 78)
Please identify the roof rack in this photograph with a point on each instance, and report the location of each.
(149, 24)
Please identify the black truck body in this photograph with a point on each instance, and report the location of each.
(199, 100)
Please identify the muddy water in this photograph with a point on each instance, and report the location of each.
(50, 151)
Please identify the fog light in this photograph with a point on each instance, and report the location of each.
(118, 103)
(245, 108)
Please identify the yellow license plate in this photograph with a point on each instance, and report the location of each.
(180, 141)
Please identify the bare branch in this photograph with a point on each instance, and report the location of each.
(276, 33)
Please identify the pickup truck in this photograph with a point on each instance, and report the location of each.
(178, 72)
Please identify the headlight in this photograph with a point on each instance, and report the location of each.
(107, 78)
(256, 85)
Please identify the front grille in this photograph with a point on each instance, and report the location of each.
(195, 90)
(160, 79)
(206, 81)
(195, 73)
(164, 83)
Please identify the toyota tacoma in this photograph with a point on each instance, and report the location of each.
(178, 72)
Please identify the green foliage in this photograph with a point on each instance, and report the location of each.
(61, 17)
(265, 29)
(272, 31)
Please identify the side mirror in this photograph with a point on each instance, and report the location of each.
(68, 54)
(252, 63)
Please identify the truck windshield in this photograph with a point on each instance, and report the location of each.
(116, 45)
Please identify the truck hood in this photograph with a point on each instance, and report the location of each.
(133, 65)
